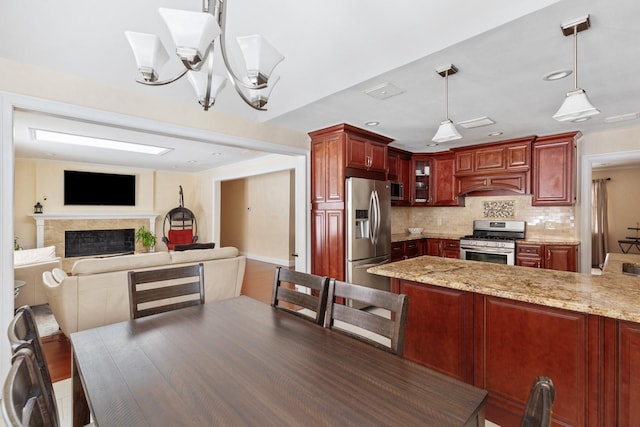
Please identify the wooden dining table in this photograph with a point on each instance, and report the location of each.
(241, 362)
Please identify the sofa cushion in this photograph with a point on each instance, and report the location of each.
(119, 263)
(34, 256)
(203, 255)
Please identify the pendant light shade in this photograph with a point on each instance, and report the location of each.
(192, 32)
(576, 105)
(447, 130)
(199, 81)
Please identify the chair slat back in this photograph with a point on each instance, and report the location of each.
(23, 333)
(298, 300)
(392, 328)
(537, 413)
(24, 398)
(166, 289)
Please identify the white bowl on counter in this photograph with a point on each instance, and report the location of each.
(415, 230)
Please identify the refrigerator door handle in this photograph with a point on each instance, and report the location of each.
(377, 219)
(374, 264)
(372, 215)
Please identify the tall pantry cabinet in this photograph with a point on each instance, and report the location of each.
(338, 152)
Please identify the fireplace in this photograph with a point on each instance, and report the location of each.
(79, 243)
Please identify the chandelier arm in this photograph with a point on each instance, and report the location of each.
(223, 49)
(163, 82)
(207, 96)
(244, 97)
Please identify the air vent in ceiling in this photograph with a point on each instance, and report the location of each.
(384, 91)
(477, 122)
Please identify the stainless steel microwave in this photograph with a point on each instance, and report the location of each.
(397, 191)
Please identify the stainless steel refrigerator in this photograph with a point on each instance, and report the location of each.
(368, 231)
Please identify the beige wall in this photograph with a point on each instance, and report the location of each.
(156, 192)
(542, 222)
(257, 216)
(623, 208)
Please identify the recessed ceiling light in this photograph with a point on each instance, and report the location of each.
(622, 117)
(556, 75)
(372, 123)
(192, 161)
(498, 133)
(216, 154)
(88, 141)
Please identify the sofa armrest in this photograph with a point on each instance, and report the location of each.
(33, 293)
(63, 300)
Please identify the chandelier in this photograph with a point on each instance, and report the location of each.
(194, 34)
(447, 130)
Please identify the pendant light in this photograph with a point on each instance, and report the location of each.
(447, 130)
(576, 105)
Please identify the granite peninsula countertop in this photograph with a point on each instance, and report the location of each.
(403, 237)
(612, 294)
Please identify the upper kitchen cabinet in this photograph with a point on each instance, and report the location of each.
(499, 167)
(435, 183)
(400, 174)
(554, 170)
(444, 189)
(342, 151)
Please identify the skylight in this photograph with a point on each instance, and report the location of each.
(87, 141)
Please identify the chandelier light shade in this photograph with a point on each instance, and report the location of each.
(576, 105)
(194, 35)
(149, 52)
(447, 130)
(259, 56)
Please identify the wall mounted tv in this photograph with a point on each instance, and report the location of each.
(106, 189)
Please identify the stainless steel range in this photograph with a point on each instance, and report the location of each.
(492, 241)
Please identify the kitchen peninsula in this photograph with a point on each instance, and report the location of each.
(498, 327)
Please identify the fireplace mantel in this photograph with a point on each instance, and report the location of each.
(70, 216)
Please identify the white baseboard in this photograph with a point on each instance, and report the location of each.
(287, 263)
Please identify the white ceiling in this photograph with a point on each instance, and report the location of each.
(336, 50)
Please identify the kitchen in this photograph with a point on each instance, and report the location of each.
(473, 303)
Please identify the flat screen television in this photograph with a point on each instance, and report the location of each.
(91, 188)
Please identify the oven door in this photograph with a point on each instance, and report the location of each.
(494, 255)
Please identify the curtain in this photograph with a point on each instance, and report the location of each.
(599, 228)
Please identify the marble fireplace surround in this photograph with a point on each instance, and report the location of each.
(50, 227)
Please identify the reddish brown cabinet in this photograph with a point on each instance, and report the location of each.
(406, 249)
(439, 328)
(498, 167)
(400, 171)
(447, 248)
(554, 170)
(338, 152)
(549, 256)
(435, 183)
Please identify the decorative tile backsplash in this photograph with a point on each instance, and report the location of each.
(499, 209)
(556, 222)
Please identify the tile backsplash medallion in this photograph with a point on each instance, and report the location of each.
(549, 222)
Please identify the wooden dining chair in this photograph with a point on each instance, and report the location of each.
(23, 333)
(166, 289)
(25, 401)
(391, 328)
(300, 302)
(537, 413)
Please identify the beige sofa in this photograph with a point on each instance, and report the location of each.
(97, 292)
(28, 266)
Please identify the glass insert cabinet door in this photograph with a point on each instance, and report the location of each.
(422, 187)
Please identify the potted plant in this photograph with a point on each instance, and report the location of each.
(147, 239)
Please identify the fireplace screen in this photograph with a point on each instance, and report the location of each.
(98, 242)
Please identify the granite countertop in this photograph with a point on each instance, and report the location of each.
(548, 240)
(403, 237)
(612, 294)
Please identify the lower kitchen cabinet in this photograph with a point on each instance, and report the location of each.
(439, 328)
(406, 249)
(501, 345)
(447, 248)
(549, 256)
